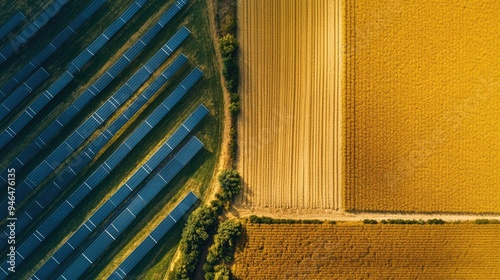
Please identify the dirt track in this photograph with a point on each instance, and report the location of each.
(288, 130)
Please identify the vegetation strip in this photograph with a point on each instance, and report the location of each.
(119, 196)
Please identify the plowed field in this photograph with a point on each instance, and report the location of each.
(289, 138)
(452, 251)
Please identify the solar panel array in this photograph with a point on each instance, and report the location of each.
(53, 221)
(73, 68)
(73, 142)
(14, 21)
(31, 29)
(56, 126)
(51, 48)
(154, 237)
(119, 196)
(21, 92)
(137, 204)
(50, 192)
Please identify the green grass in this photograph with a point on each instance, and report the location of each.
(196, 176)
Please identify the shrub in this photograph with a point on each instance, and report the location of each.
(222, 272)
(222, 250)
(369, 222)
(234, 108)
(230, 182)
(228, 45)
(482, 221)
(199, 226)
(436, 222)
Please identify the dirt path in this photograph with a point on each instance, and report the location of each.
(241, 212)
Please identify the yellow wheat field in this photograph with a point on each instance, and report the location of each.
(452, 251)
(290, 52)
(422, 105)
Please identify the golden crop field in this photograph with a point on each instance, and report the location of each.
(422, 106)
(451, 251)
(288, 131)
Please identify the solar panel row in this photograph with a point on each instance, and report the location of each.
(118, 197)
(31, 29)
(53, 221)
(55, 127)
(154, 237)
(14, 21)
(21, 92)
(73, 142)
(50, 192)
(80, 61)
(51, 48)
(73, 68)
(139, 202)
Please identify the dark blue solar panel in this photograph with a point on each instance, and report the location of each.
(151, 33)
(183, 207)
(113, 28)
(98, 43)
(62, 37)
(46, 269)
(10, 86)
(94, 6)
(134, 50)
(75, 197)
(39, 59)
(101, 213)
(79, 103)
(163, 227)
(183, 88)
(176, 41)
(199, 114)
(103, 82)
(130, 12)
(118, 67)
(165, 18)
(58, 85)
(61, 212)
(20, 94)
(14, 21)
(78, 21)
